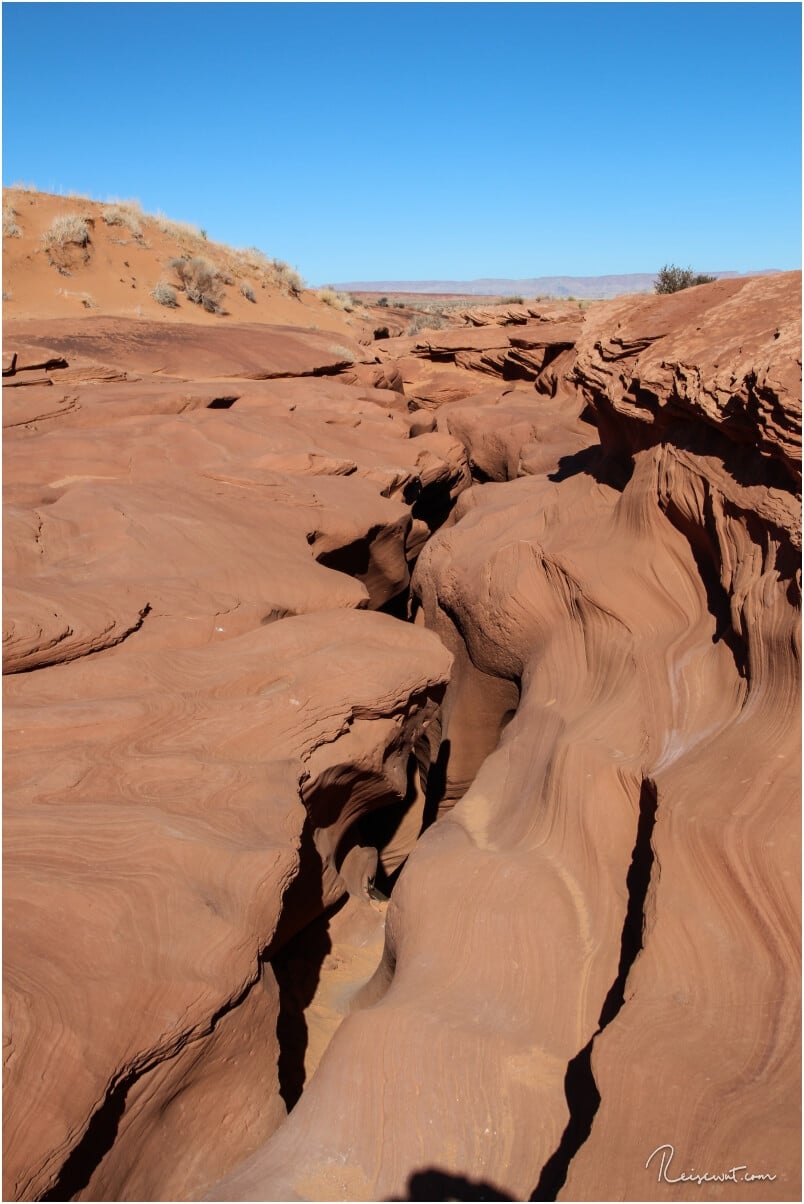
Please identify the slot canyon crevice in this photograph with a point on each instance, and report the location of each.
(402, 752)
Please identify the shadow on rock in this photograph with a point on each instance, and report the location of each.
(433, 1184)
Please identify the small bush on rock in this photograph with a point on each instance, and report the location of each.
(671, 279)
(425, 321)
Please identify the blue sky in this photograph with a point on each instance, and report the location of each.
(425, 141)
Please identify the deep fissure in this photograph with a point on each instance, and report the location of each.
(580, 1087)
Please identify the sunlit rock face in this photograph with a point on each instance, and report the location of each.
(594, 950)
(215, 748)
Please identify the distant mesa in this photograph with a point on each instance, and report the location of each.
(583, 287)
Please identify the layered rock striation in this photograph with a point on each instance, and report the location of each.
(213, 740)
(594, 952)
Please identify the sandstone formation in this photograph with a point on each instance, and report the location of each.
(575, 769)
(626, 633)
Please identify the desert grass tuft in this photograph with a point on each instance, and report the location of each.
(164, 294)
(336, 300)
(122, 215)
(65, 230)
(10, 227)
(200, 282)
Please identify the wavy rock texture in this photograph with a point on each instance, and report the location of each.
(181, 798)
(250, 350)
(595, 950)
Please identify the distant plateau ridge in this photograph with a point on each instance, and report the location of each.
(591, 287)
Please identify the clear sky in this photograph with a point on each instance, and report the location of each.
(423, 141)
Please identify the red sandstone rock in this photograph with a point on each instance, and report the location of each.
(142, 527)
(247, 350)
(608, 903)
(631, 844)
(161, 887)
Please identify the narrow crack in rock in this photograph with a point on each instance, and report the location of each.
(80, 654)
(583, 1097)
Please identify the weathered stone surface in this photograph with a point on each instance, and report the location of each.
(158, 887)
(211, 743)
(248, 350)
(180, 795)
(632, 841)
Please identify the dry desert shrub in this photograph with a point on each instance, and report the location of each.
(425, 321)
(248, 292)
(10, 227)
(672, 279)
(177, 230)
(164, 294)
(200, 282)
(122, 215)
(271, 273)
(66, 241)
(68, 229)
(337, 300)
(253, 257)
(286, 277)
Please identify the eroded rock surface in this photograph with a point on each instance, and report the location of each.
(212, 742)
(594, 951)
(181, 798)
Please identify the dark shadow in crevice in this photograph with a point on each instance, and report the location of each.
(351, 558)
(297, 969)
(704, 545)
(101, 1131)
(512, 369)
(580, 1088)
(376, 829)
(296, 954)
(397, 607)
(433, 1184)
(434, 505)
(222, 403)
(583, 1101)
(436, 784)
(479, 475)
(98, 1139)
(587, 460)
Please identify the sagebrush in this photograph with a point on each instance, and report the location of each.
(10, 227)
(65, 230)
(336, 300)
(164, 294)
(200, 282)
(122, 215)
